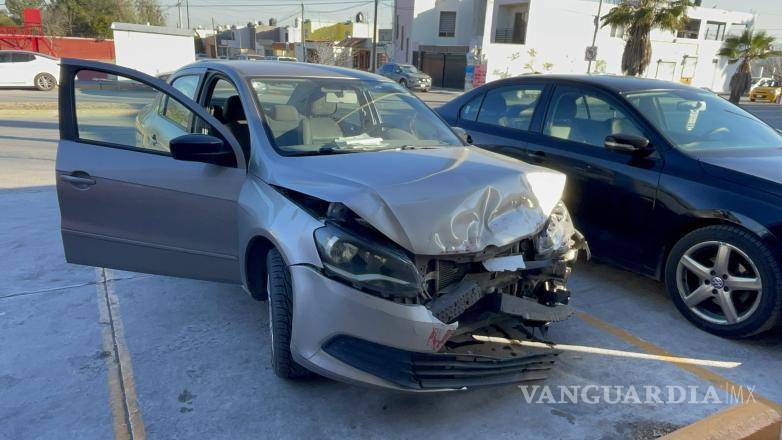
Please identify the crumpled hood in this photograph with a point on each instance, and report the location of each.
(432, 201)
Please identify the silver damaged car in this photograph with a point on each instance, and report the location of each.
(384, 244)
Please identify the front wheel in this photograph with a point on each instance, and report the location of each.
(45, 82)
(280, 301)
(725, 281)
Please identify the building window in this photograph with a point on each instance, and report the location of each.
(512, 24)
(715, 31)
(618, 31)
(447, 24)
(690, 30)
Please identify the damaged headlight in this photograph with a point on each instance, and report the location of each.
(557, 236)
(365, 264)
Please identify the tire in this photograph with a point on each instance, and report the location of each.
(280, 304)
(755, 304)
(403, 82)
(751, 99)
(45, 82)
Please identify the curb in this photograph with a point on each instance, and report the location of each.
(747, 421)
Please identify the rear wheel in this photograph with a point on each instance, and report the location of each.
(725, 281)
(278, 286)
(45, 82)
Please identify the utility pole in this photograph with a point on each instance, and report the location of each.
(303, 44)
(594, 35)
(179, 10)
(373, 62)
(187, 8)
(214, 33)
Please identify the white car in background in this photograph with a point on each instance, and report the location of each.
(28, 69)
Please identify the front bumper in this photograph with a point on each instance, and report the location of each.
(348, 335)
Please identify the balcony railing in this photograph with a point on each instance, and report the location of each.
(506, 36)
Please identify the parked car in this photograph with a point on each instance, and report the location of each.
(380, 239)
(28, 69)
(769, 90)
(664, 179)
(407, 75)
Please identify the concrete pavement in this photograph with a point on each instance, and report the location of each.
(199, 354)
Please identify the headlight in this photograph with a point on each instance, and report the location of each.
(365, 264)
(556, 237)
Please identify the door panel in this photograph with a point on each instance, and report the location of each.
(125, 202)
(610, 195)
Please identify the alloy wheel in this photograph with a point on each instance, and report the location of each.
(719, 283)
(45, 82)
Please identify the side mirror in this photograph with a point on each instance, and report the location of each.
(202, 148)
(628, 143)
(463, 135)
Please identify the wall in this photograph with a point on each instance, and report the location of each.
(559, 32)
(67, 47)
(423, 17)
(170, 51)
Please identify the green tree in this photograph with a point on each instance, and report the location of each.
(16, 8)
(639, 17)
(744, 49)
(6, 20)
(93, 18)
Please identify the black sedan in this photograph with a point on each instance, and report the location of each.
(664, 179)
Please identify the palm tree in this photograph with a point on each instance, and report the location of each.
(639, 17)
(745, 48)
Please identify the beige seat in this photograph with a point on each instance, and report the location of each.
(320, 126)
(285, 123)
(564, 124)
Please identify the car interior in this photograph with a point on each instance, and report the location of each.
(586, 119)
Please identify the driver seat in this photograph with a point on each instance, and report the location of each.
(320, 125)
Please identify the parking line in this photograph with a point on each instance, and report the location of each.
(126, 414)
(701, 372)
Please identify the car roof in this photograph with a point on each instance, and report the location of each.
(287, 69)
(616, 83)
(27, 51)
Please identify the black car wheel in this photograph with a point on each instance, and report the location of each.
(725, 281)
(403, 82)
(278, 286)
(45, 82)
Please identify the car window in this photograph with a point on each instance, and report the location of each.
(469, 111)
(5, 57)
(226, 106)
(19, 57)
(510, 106)
(323, 115)
(172, 109)
(121, 112)
(694, 120)
(586, 117)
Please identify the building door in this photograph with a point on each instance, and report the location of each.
(446, 70)
(432, 64)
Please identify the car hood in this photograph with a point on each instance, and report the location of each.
(761, 169)
(418, 75)
(432, 201)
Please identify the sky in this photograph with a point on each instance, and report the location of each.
(239, 12)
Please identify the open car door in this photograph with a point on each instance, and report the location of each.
(125, 201)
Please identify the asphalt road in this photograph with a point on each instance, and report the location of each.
(194, 355)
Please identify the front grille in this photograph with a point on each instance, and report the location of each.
(438, 370)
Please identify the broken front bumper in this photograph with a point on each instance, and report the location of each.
(348, 335)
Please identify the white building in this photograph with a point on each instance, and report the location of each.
(173, 48)
(523, 36)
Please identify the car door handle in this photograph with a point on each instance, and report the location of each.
(78, 180)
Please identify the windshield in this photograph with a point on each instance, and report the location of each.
(696, 120)
(324, 116)
(409, 68)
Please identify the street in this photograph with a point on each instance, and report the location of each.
(194, 356)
